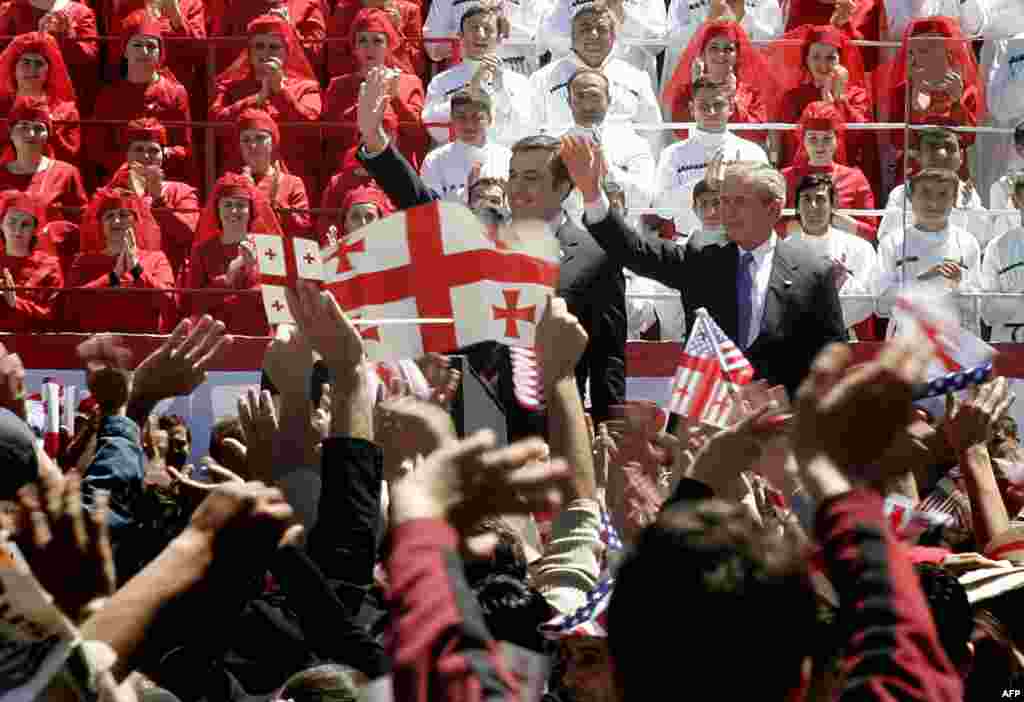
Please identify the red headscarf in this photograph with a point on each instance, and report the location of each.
(144, 129)
(296, 65)
(27, 109)
(26, 202)
(894, 76)
(821, 117)
(147, 231)
(788, 57)
(140, 22)
(752, 70)
(58, 82)
(372, 19)
(367, 194)
(262, 219)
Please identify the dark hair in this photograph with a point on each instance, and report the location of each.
(513, 610)
(813, 182)
(1018, 134)
(479, 9)
(950, 609)
(168, 422)
(544, 142)
(943, 175)
(226, 428)
(703, 84)
(323, 683)
(729, 581)
(597, 7)
(936, 134)
(701, 188)
(464, 98)
(487, 182)
(589, 72)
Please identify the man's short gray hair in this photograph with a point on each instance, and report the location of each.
(770, 182)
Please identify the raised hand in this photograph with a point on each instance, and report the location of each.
(242, 523)
(971, 423)
(486, 72)
(180, 365)
(10, 297)
(373, 101)
(560, 342)
(12, 383)
(130, 253)
(107, 360)
(834, 87)
(586, 166)
(409, 429)
(329, 330)
(258, 417)
(714, 176)
(843, 12)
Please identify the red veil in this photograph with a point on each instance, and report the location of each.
(27, 109)
(754, 78)
(16, 199)
(788, 57)
(253, 118)
(141, 22)
(58, 81)
(367, 194)
(296, 65)
(142, 129)
(372, 19)
(147, 231)
(262, 219)
(820, 116)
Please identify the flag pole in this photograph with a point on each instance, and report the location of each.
(703, 316)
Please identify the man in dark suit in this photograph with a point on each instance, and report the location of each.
(591, 283)
(780, 306)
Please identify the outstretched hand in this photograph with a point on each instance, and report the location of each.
(326, 326)
(586, 166)
(12, 383)
(971, 423)
(181, 363)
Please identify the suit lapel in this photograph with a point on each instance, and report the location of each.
(780, 284)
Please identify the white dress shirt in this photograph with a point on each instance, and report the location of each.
(520, 49)
(760, 274)
(446, 169)
(860, 259)
(999, 199)
(642, 313)
(511, 98)
(972, 14)
(682, 165)
(1002, 270)
(969, 214)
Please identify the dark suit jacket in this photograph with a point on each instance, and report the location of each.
(801, 311)
(590, 281)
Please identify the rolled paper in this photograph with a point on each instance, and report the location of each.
(70, 405)
(953, 382)
(51, 429)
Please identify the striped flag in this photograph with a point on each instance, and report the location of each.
(929, 318)
(527, 381)
(709, 373)
(591, 619)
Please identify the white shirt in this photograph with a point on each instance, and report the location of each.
(999, 199)
(1004, 18)
(682, 165)
(446, 169)
(632, 97)
(860, 259)
(900, 265)
(760, 274)
(642, 313)
(1005, 91)
(511, 96)
(762, 19)
(968, 214)
(524, 18)
(972, 14)
(1002, 270)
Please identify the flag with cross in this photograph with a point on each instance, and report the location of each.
(434, 280)
(282, 261)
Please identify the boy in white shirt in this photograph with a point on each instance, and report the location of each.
(1002, 271)
(446, 169)
(482, 73)
(519, 52)
(1001, 195)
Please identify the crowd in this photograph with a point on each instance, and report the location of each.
(340, 542)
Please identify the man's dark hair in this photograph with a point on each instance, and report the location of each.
(464, 98)
(543, 142)
(701, 188)
(742, 594)
(813, 182)
(589, 72)
(942, 175)
(486, 182)
(479, 9)
(226, 428)
(704, 84)
(324, 683)
(950, 609)
(168, 422)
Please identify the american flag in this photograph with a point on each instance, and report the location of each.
(609, 535)
(591, 619)
(708, 374)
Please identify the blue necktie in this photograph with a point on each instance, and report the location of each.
(744, 287)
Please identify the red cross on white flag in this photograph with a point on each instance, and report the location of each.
(436, 261)
(282, 261)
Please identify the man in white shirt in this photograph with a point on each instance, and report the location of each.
(520, 50)
(973, 14)
(938, 148)
(1001, 193)
(594, 28)
(446, 169)
(482, 73)
(853, 260)
(1002, 271)
(638, 19)
(684, 164)
(628, 155)
(761, 19)
(932, 250)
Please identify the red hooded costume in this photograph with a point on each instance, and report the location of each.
(232, 18)
(33, 310)
(868, 22)
(406, 51)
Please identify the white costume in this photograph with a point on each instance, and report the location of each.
(973, 14)
(642, 313)
(969, 214)
(860, 259)
(1002, 271)
(632, 97)
(520, 50)
(511, 97)
(1002, 61)
(901, 264)
(446, 169)
(682, 166)
(762, 19)
(999, 199)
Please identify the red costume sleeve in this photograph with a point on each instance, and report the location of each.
(66, 139)
(411, 52)
(413, 138)
(230, 100)
(178, 159)
(311, 26)
(297, 102)
(178, 215)
(296, 198)
(80, 48)
(136, 312)
(33, 310)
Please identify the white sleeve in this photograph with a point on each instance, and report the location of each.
(863, 263)
(512, 108)
(971, 279)
(684, 21)
(766, 23)
(999, 199)
(538, 96)
(645, 20)
(973, 16)
(1006, 81)
(637, 176)
(440, 20)
(432, 175)
(995, 310)
(650, 113)
(437, 108)
(664, 181)
(555, 34)
(887, 280)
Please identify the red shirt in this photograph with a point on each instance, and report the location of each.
(241, 313)
(65, 140)
(33, 310)
(177, 213)
(409, 55)
(285, 191)
(868, 22)
(130, 312)
(231, 18)
(59, 186)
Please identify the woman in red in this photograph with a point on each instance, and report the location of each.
(857, 19)
(73, 25)
(273, 75)
(361, 206)
(149, 89)
(945, 88)
(231, 18)
(223, 259)
(120, 249)
(821, 137)
(373, 39)
(824, 66)
(175, 205)
(31, 66)
(404, 18)
(24, 264)
(27, 163)
(722, 53)
(259, 141)
(350, 176)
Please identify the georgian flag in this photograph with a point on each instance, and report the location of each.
(282, 261)
(437, 262)
(931, 319)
